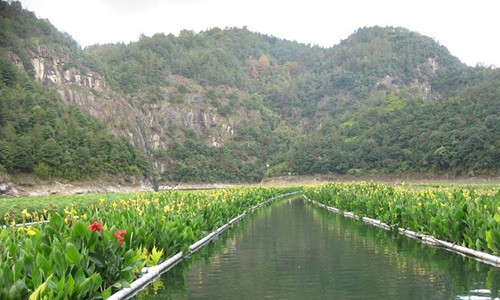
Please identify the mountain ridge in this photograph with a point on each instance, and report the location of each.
(233, 105)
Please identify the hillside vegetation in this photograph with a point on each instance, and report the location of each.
(234, 105)
(38, 132)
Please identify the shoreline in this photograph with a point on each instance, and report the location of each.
(34, 188)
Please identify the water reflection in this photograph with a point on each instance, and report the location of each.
(481, 294)
(440, 269)
(297, 251)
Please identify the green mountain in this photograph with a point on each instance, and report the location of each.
(39, 133)
(234, 105)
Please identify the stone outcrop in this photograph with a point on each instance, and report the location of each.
(89, 90)
(8, 189)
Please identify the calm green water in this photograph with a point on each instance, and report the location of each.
(293, 250)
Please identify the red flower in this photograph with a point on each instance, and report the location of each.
(96, 226)
(119, 235)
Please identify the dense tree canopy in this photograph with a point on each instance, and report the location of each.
(383, 100)
(40, 134)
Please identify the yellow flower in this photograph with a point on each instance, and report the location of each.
(30, 231)
(466, 194)
(26, 214)
(114, 205)
(419, 204)
(167, 208)
(70, 212)
(124, 204)
(85, 217)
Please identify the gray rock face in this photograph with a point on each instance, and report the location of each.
(162, 120)
(5, 187)
(8, 189)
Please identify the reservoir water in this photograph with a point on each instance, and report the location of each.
(294, 250)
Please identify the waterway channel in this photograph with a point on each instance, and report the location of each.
(295, 250)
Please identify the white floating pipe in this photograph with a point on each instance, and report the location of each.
(377, 223)
(208, 237)
(350, 215)
(236, 219)
(485, 257)
(272, 199)
(26, 224)
(222, 228)
(409, 233)
(153, 272)
(333, 209)
(201, 242)
(168, 263)
(427, 239)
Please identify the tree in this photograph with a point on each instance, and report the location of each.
(23, 156)
(441, 158)
(50, 153)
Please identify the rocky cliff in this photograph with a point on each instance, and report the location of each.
(185, 105)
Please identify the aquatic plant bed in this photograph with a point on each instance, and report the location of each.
(464, 217)
(92, 251)
(96, 245)
(152, 273)
(40, 208)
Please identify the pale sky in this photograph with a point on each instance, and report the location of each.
(469, 29)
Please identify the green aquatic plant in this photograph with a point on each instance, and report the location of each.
(466, 217)
(89, 252)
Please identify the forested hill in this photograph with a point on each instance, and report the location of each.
(39, 133)
(235, 105)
